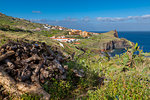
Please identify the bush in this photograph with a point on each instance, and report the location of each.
(4, 27)
(58, 89)
(124, 87)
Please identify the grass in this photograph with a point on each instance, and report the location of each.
(122, 81)
(122, 77)
(124, 87)
(99, 42)
(16, 22)
(54, 33)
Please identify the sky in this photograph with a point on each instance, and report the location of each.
(89, 15)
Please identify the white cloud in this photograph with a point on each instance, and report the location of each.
(116, 19)
(133, 17)
(36, 12)
(101, 23)
(86, 19)
(146, 16)
(143, 18)
(70, 19)
(110, 19)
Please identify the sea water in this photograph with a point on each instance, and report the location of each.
(140, 37)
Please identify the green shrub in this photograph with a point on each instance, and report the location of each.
(30, 97)
(124, 87)
(58, 89)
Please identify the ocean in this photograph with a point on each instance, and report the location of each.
(140, 37)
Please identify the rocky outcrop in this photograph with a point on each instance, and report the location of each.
(26, 66)
(116, 34)
(121, 43)
(111, 45)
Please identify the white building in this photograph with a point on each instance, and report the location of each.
(46, 27)
(65, 39)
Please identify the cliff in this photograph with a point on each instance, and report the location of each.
(105, 41)
(115, 44)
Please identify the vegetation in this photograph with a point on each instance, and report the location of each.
(53, 32)
(128, 78)
(108, 80)
(125, 76)
(17, 22)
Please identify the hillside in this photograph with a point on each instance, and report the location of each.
(17, 22)
(82, 69)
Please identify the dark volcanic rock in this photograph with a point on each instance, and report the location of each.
(122, 43)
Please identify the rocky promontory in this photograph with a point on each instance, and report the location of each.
(105, 41)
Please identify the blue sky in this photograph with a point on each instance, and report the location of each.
(90, 15)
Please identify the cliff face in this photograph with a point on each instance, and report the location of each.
(116, 34)
(114, 41)
(122, 43)
(105, 41)
(111, 45)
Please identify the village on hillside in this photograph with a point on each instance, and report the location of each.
(71, 33)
